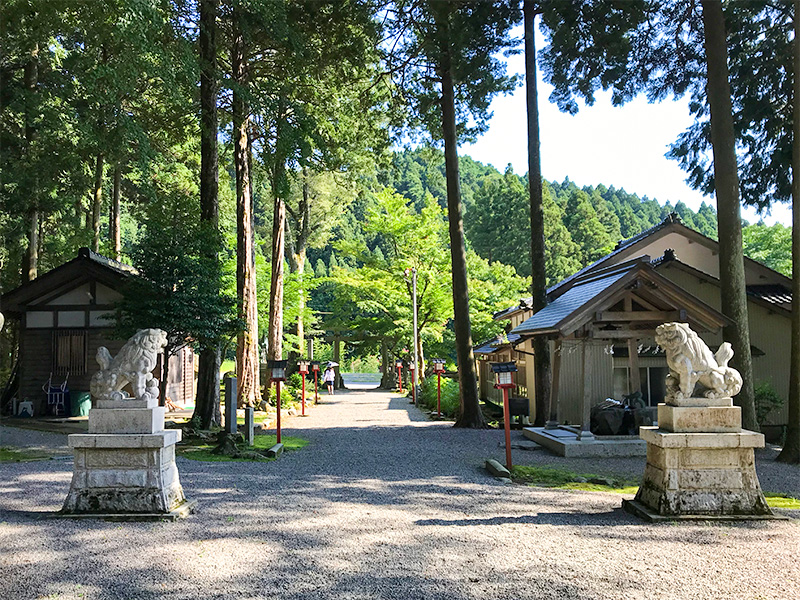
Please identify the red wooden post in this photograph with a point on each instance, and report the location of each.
(400, 377)
(439, 394)
(504, 381)
(278, 390)
(303, 368)
(316, 393)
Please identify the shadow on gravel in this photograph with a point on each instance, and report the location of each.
(546, 518)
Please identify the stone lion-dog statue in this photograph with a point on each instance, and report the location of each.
(691, 362)
(133, 365)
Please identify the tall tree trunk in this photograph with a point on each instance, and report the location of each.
(114, 221)
(247, 346)
(541, 349)
(162, 385)
(207, 408)
(300, 261)
(791, 447)
(276, 284)
(471, 415)
(30, 260)
(97, 201)
(726, 184)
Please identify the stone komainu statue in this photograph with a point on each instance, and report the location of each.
(132, 365)
(691, 362)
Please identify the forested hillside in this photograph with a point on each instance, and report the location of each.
(582, 224)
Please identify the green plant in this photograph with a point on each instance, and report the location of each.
(767, 400)
(450, 396)
(288, 397)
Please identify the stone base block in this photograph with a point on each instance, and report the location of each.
(643, 512)
(179, 512)
(701, 474)
(126, 420)
(701, 402)
(700, 419)
(127, 403)
(124, 474)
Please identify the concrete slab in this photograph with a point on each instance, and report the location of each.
(565, 443)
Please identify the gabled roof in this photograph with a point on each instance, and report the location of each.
(628, 249)
(86, 266)
(599, 289)
(771, 296)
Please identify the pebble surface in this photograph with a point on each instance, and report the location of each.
(384, 503)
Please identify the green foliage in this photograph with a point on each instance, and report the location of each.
(770, 245)
(767, 400)
(469, 35)
(365, 364)
(450, 396)
(585, 227)
(377, 296)
(179, 288)
(289, 396)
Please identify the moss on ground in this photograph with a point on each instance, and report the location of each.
(782, 501)
(202, 450)
(564, 479)
(15, 455)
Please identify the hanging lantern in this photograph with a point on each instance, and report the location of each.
(277, 369)
(438, 365)
(503, 377)
(302, 366)
(315, 366)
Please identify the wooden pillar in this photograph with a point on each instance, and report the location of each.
(552, 419)
(586, 434)
(634, 381)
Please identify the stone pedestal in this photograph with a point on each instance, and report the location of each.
(125, 465)
(700, 464)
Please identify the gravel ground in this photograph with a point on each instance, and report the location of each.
(386, 504)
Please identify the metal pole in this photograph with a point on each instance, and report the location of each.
(507, 427)
(416, 347)
(439, 394)
(278, 391)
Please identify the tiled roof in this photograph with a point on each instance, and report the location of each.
(120, 267)
(773, 294)
(494, 344)
(574, 299)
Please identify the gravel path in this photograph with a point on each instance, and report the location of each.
(384, 504)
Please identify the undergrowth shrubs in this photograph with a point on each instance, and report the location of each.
(451, 403)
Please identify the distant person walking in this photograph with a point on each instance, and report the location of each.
(328, 378)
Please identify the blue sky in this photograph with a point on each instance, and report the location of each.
(619, 146)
